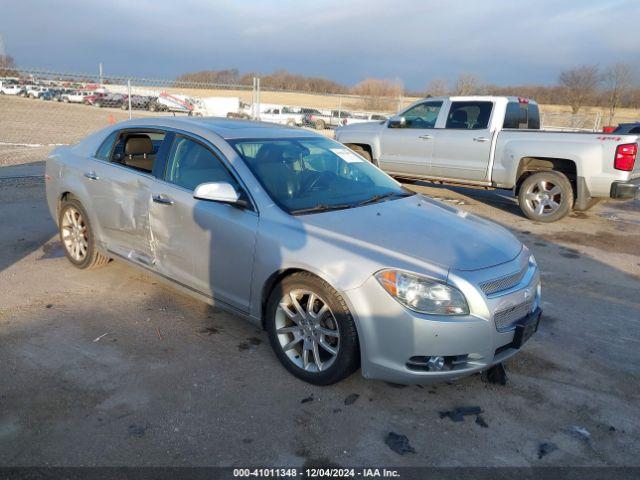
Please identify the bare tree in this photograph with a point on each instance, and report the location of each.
(617, 79)
(580, 84)
(438, 87)
(7, 66)
(380, 94)
(466, 84)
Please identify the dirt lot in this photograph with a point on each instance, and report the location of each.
(175, 382)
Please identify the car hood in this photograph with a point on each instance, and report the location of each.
(423, 229)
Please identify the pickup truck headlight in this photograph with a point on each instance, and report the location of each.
(423, 294)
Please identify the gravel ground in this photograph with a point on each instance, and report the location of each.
(109, 367)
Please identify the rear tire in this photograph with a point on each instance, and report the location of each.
(77, 237)
(319, 345)
(546, 196)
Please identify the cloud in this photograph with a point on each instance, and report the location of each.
(500, 41)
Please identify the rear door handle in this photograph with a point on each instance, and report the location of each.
(481, 139)
(426, 137)
(91, 175)
(163, 200)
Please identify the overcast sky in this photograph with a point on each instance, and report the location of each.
(500, 41)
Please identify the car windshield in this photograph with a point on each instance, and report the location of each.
(306, 175)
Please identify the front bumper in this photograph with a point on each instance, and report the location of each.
(625, 190)
(393, 337)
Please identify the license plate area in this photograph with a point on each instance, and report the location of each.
(525, 329)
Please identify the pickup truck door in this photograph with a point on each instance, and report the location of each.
(462, 148)
(408, 149)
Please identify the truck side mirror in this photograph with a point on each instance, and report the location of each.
(397, 122)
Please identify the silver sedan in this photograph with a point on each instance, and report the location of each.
(340, 264)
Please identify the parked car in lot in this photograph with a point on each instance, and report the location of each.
(283, 115)
(10, 89)
(75, 96)
(497, 142)
(34, 91)
(336, 260)
(321, 121)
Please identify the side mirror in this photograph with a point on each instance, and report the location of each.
(221, 192)
(397, 122)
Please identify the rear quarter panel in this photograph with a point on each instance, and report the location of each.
(592, 153)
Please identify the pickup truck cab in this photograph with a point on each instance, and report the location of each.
(497, 142)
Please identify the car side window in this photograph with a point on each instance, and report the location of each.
(423, 115)
(137, 150)
(469, 115)
(190, 163)
(104, 152)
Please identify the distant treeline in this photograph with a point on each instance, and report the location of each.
(614, 86)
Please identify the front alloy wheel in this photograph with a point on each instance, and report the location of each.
(311, 330)
(307, 330)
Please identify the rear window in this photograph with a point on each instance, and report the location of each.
(469, 115)
(522, 116)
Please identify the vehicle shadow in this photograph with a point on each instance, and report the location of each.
(27, 224)
(500, 199)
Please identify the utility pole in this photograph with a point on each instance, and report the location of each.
(100, 73)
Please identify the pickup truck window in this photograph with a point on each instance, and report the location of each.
(522, 115)
(423, 115)
(469, 115)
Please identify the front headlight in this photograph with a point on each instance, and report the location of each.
(532, 261)
(423, 294)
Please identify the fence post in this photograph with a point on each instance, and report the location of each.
(129, 95)
(258, 96)
(253, 99)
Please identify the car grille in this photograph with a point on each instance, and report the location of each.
(505, 319)
(503, 283)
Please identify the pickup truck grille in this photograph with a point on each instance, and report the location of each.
(506, 318)
(503, 283)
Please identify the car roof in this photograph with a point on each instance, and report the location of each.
(223, 127)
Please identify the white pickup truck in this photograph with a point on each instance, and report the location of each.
(497, 142)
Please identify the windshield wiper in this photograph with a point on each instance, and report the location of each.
(382, 196)
(323, 207)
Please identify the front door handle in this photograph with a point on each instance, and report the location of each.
(161, 199)
(426, 137)
(91, 175)
(481, 139)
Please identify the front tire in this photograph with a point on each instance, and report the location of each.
(311, 330)
(360, 151)
(77, 237)
(546, 196)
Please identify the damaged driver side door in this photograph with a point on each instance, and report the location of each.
(120, 187)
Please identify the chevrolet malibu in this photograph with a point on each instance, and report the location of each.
(339, 263)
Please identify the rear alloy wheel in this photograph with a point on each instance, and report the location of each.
(320, 125)
(311, 330)
(77, 238)
(546, 196)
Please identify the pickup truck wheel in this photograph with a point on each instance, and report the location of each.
(546, 196)
(360, 151)
(77, 236)
(312, 330)
(320, 125)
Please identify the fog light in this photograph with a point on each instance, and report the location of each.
(436, 363)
